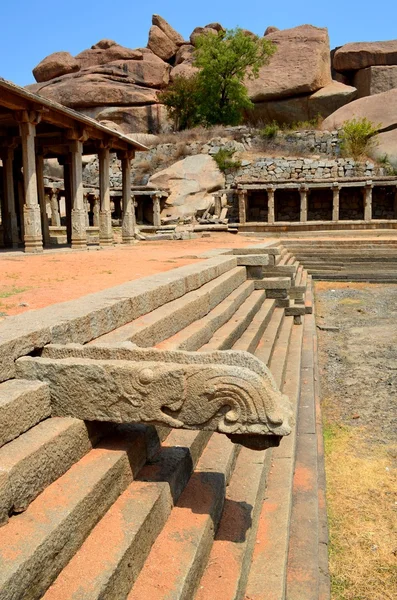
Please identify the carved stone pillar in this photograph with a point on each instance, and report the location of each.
(270, 206)
(79, 224)
(128, 223)
(395, 203)
(9, 195)
(217, 205)
(242, 206)
(95, 211)
(105, 214)
(335, 203)
(42, 199)
(31, 210)
(156, 211)
(55, 216)
(87, 210)
(303, 208)
(368, 201)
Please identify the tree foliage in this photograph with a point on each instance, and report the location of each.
(357, 137)
(216, 95)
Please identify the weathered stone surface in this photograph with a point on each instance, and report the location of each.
(22, 405)
(55, 65)
(360, 55)
(386, 145)
(169, 31)
(161, 44)
(101, 56)
(330, 98)
(141, 72)
(200, 31)
(185, 54)
(375, 80)
(270, 29)
(190, 182)
(300, 65)
(185, 69)
(152, 118)
(104, 44)
(190, 393)
(380, 109)
(95, 89)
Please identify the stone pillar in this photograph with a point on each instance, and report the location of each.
(105, 214)
(55, 215)
(9, 195)
(335, 203)
(270, 206)
(368, 201)
(303, 211)
(42, 199)
(87, 211)
(95, 211)
(156, 211)
(242, 206)
(31, 210)
(79, 231)
(128, 223)
(217, 205)
(395, 203)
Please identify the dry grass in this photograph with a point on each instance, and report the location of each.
(362, 512)
(198, 134)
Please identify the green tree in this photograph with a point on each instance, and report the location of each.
(357, 137)
(225, 60)
(181, 99)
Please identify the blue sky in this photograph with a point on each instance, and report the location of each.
(32, 30)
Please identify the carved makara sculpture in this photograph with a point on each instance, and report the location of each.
(229, 392)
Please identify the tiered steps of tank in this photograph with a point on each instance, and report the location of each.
(138, 512)
(373, 260)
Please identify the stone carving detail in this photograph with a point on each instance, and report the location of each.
(229, 392)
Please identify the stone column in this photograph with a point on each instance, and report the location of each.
(395, 203)
(270, 206)
(105, 214)
(368, 201)
(42, 199)
(9, 195)
(156, 211)
(128, 223)
(95, 211)
(87, 211)
(303, 211)
(79, 231)
(55, 216)
(31, 210)
(335, 203)
(242, 206)
(217, 205)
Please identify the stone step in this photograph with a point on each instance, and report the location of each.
(227, 569)
(266, 345)
(280, 271)
(278, 360)
(128, 530)
(23, 404)
(368, 278)
(165, 321)
(273, 283)
(179, 555)
(267, 574)
(39, 456)
(228, 334)
(57, 522)
(251, 336)
(200, 332)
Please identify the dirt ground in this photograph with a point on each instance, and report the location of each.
(29, 282)
(358, 375)
(358, 362)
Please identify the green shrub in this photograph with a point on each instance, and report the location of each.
(270, 131)
(357, 137)
(181, 99)
(224, 160)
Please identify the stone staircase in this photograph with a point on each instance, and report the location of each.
(94, 510)
(372, 260)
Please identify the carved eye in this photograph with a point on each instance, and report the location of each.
(146, 376)
(231, 416)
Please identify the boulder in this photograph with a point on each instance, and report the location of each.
(136, 119)
(355, 56)
(184, 54)
(141, 72)
(375, 80)
(380, 109)
(169, 31)
(104, 44)
(386, 145)
(161, 44)
(55, 65)
(301, 65)
(97, 90)
(190, 183)
(330, 98)
(200, 31)
(185, 69)
(270, 29)
(101, 56)
(216, 26)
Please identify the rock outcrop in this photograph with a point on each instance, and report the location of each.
(189, 182)
(117, 84)
(375, 80)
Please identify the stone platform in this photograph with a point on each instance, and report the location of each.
(105, 508)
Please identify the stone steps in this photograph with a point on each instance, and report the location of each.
(249, 340)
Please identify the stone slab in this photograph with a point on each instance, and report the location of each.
(273, 283)
(253, 260)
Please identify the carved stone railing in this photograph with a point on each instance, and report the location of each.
(230, 392)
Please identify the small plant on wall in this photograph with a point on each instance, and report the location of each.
(357, 137)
